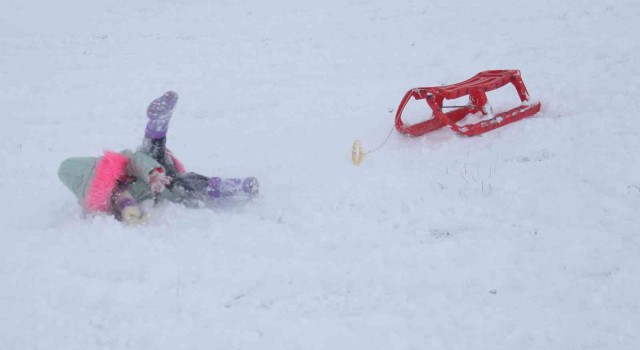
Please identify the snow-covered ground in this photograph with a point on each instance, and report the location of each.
(524, 238)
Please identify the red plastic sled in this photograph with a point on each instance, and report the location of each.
(476, 88)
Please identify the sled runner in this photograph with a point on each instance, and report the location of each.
(476, 89)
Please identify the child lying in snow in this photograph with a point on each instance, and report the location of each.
(116, 182)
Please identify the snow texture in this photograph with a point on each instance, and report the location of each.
(523, 238)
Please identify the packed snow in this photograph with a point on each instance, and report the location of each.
(526, 237)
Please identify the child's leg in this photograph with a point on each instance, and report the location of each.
(159, 113)
(196, 187)
(155, 148)
(190, 188)
(220, 187)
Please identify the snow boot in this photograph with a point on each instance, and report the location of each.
(159, 113)
(220, 188)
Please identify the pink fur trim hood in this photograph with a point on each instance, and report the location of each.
(109, 169)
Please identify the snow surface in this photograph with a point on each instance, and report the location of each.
(524, 238)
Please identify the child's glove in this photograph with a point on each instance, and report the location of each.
(126, 209)
(158, 180)
(133, 215)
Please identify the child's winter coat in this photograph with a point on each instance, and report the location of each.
(93, 179)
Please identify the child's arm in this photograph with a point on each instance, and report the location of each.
(141, 165)
(126, 209)
(158, 181)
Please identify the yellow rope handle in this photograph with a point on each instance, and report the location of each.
(357, 153)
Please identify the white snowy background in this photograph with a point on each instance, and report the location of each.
(527, 237)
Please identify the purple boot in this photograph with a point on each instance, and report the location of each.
(220, 188)
(159, 114)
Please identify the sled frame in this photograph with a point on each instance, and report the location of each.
(476, 88)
